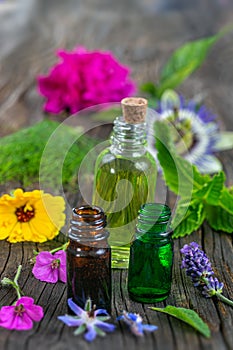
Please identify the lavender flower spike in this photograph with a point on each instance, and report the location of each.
(196, 263)
(198, 267)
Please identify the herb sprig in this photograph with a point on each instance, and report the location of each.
(202, 197)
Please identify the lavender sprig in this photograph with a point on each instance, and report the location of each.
(199, 268)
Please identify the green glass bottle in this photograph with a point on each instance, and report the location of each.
(125, 177)
(151, 255)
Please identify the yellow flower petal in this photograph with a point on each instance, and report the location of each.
(31, 216)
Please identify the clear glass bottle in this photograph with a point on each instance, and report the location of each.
(151, 255)
(89, 258)
(125, 177)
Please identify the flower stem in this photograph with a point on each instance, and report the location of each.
(224, 299)
(15, 282)
(7, 281)
(63, 247)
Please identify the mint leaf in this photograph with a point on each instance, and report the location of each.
(189, 222)
(211, 190)
(202, 196)
(184, 61)
(226, 200)
(188, 316)
(219, 219)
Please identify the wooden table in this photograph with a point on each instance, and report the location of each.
(141, 34)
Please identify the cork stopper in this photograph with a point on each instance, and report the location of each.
(134, 109)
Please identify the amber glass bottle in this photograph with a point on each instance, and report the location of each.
(151, 255)
(89, 258)
(125, 177)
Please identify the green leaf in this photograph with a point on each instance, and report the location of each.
(189, 222)
(184, 61)
(180, 175)
(211, 190)
(149, 88)
(219, 219)
(188, 316)
(226, 200)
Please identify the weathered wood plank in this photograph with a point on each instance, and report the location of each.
(142, 34)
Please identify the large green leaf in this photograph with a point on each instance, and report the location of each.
(226, 200)
(219, 219)
(189, 222)
(183, 62)
(211, 191)
(180, 175)
(188, 316)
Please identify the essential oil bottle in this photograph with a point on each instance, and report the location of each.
(125, 177)
(89, 258)
(151, 255)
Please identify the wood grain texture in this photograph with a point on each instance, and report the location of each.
(142, 34)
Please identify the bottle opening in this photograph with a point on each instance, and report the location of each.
(86, 211)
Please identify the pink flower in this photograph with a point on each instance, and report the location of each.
(21, 315)
(50, 267)
(84, 78)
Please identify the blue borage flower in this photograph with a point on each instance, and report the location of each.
(88, 320)
(197, 134)
(198, 267)
(134, 322)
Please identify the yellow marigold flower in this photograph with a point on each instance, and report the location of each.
(30, 216)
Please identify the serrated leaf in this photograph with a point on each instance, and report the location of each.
(188, 316)
(184, 61)
(226, 200)
(211, 190)
(219, 219)
(190, 222)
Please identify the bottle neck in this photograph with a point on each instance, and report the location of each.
(154, 222)
(87, 224)
(128, 139)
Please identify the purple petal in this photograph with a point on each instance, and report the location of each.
(35, 312)
(75, 308)
(90, 334)
(149, 327)
(71, 321)
(44, 258)
(101, 311)
(45, 273)
(108, 327)
(26, 301)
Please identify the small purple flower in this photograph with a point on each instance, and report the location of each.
(88, 320)
(50, 267)
(134, 322)
(213, 287)
(21, 315)
(196, 263)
